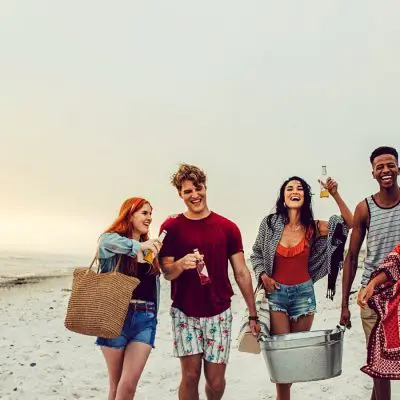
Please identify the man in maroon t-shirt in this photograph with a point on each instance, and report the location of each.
(201, 313)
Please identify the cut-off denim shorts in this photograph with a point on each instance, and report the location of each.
(294, 300)
(139, 326)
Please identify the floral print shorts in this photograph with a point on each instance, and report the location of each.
(210, 336)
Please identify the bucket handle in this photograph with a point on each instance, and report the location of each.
(262, 337)
(340, 329)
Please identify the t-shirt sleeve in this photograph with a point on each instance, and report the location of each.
(167, 249)
(235, 243)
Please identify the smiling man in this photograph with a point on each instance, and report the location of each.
(378, 214)
(200, 312)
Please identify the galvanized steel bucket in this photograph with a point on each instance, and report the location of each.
(304, 356)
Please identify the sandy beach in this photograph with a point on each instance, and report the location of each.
(40, 359)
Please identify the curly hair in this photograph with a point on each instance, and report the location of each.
(187, 172)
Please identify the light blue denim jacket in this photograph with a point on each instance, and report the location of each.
(111, 245)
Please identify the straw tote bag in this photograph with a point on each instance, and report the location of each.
(99, 301)
(246, 342)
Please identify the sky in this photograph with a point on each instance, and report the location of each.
(101, 101)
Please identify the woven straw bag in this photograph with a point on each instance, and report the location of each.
(99, 301)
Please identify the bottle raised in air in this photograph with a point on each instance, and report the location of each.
(323, 191)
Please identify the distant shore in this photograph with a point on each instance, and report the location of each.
(23, 276)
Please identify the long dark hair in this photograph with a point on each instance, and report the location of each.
(306, 212)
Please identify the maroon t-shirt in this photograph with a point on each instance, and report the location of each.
(217, 239)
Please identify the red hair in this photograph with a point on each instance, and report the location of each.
(124, 227)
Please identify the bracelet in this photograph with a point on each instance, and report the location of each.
(253, 318)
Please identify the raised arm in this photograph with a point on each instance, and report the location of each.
(113, 243)
(332, 186)
(361, 217)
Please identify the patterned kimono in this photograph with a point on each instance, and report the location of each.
(383, 360)
(326, 255)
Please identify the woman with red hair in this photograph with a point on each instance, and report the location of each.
(128, 239)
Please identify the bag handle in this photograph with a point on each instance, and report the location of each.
(96, 257)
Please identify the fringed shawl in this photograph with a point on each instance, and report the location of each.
(383, 360)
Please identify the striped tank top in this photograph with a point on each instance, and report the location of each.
(383, 235)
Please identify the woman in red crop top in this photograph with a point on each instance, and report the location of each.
(290, 288)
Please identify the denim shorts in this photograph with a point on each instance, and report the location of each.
(294, 300)
(139, 326)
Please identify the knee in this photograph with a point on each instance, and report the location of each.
(216, 383)
(127, 387)
(191, 377)
(113, 388)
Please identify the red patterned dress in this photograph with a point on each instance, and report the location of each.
(383, 361)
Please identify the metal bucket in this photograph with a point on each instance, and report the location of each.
(304, 356)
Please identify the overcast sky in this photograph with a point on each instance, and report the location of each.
(100, 101)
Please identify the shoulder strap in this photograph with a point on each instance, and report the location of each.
(96, 257)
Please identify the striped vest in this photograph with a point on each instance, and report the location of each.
(383, 235)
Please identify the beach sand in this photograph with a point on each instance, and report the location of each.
(40, 359)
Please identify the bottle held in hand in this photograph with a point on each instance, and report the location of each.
(323, 191)
(202, 270)
(149, 256)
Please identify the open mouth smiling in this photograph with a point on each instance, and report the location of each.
(295, 197)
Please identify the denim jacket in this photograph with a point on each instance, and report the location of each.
(111, 245)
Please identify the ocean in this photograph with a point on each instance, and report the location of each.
(25, 267)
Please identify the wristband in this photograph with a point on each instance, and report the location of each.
(253, 318)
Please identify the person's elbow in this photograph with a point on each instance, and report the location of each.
(349, 222)
(169, 277)
(167, 273)
(242, 275)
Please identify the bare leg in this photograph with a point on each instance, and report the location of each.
(302, 324)
(114, 360)
(136, 355)
(215, 380)
(191, 370)
(280, 324)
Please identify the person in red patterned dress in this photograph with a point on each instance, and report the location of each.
(382, 294)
